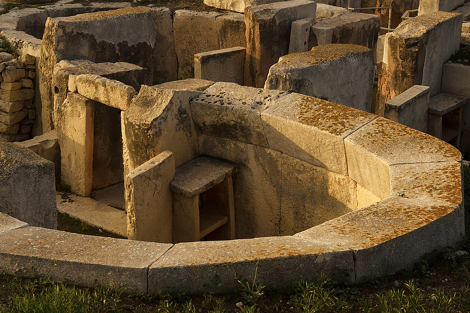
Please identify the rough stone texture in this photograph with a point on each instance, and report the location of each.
(12, 118)
(27, 186)
(149, 199)
(299, 34)
(429, 6)
(231, 29)
(316, 73)
(414, 54)
(156, 120)
(232, 111)
(11, 107)
(165, 67)
(194, 32)
(9, 223)
(300, 126)
(268, 30)
(80, 36)
(75, 127)
(257, 184)
(275, 261)
(220, 65)
(354, 28)
(410, 108)
(372, 149)
(325, 10)
(79, 259)
(187, 84)
(16, 95)
(107, 91)
(236, 5)
(199, 175)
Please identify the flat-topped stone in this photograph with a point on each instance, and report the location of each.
(188, 83)
(199, 175)
(443, 103)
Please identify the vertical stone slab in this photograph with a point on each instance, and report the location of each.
(75, 133)
(149, 199)
(225, 65)
(231, 29)
(299, 35)
(268, 30)
(194, 32)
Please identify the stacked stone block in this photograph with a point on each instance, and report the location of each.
(17, 111)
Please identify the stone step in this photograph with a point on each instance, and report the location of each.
(93, 213)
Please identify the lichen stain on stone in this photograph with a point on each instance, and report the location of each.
(417, 26)
(106, 14)
(321, 55)
(327, 116)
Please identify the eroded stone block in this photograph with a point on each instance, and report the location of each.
(224, 65)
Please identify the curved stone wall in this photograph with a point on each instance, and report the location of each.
(418, 178)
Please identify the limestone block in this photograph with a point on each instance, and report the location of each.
(149, 199)
(235, 5)
(372, 149)
(275, 261)
(410, 108)
(312, 195)
(231, 111)
(46, 146)
(365, 197)
(411, 56)
(194, 32)
(28, 59)
(31, 74)
(165, 67)
(16, 95)
(315, 73)
(231, 29)
(79, 259)
(429, 6)
(325, 10)
(27, 186)
(224, 65)
(257, 184)
(312, 130)
(299, 34)
(13, 75)
(9, 223)
(12, 118)
(379, 49)
(9, 129)
(268, 29)
(27, 83)
(354, 28)
(11, 107)
(80, 36)
(158, 120)
(74, 122)
(5, 56)
(187, 84)
(110, 92)
(11, 86)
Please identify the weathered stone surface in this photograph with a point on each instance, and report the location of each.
(372, 149)
(165, 67)
(354, 28)
(365, 197)
(27, 83)
(410, 108)
(231, 30)
(300, 126)
(27, 58)
(429, 6)
(268, 35)
(79, 259)
(412, 56)
(80, 36)
(9, 223)
(12, 118)
(316, 73)
(155, 122)
(9, 129)
(312, 195)
(11, 107)
(74, 123)
(13, 75)
(275, 261)
(299, 34)
(325, 10)
(27, 186)
(5, 56)
(16, 95)
(220, 65)
(11, 86)
(107, 91)
(187, 84)
(194, 32)
(149, 199)
(232, 111)
(46, 146)
(257, 184)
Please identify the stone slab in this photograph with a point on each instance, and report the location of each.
(299, 34)
(12, 118)
(231, 30)
(11, 107)
(444, 103)
(199, 175)
(149, 199)
(187, 84)
(92, 212)
(79, 259)
(8, 223)
(224, 65)
(215, 266)
(300, 126)
(16, 95)
(410, 108)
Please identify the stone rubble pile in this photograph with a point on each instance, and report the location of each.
(17, 111)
